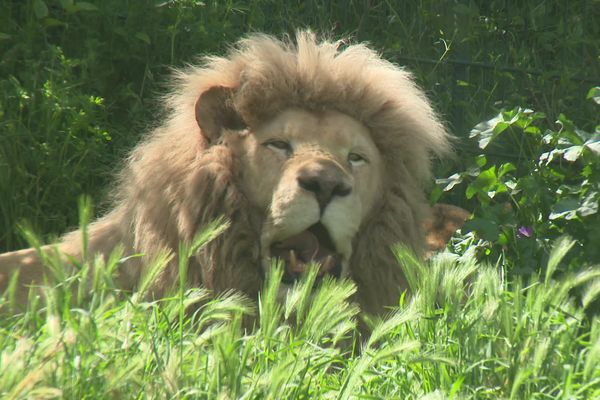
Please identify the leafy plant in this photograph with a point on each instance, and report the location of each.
(75, 73)
(530, 184)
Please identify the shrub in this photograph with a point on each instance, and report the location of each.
(528, 184)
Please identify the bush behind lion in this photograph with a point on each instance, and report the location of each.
(79, 78)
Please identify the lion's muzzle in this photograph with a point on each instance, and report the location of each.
(325, 179)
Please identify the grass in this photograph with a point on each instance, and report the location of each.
(464, 333)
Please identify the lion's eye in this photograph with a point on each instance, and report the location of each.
(280, 146)
(356, 159)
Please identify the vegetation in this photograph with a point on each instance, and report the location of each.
(464, 333)
(512, 314)
(79, 80)
(529, 185)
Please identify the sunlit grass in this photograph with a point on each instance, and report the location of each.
(463, 333)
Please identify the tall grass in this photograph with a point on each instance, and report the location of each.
(463, 333)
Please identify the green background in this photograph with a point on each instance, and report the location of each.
(80, 81)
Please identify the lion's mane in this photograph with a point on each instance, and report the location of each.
(175, 181)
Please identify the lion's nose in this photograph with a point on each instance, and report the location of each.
(325, 179)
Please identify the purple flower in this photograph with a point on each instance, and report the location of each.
(525, 231)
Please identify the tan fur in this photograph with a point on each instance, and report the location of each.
(207, 160)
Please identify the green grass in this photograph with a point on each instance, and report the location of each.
(464, 333)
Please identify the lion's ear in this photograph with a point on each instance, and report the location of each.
(215, 112)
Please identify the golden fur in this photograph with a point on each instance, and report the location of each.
(210, 158)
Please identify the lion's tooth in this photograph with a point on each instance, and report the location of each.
(294, 262)
(326, 265)
(317, 247)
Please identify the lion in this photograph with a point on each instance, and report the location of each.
(314, 151)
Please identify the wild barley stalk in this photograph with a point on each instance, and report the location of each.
(464, 332)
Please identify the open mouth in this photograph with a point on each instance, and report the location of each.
(313, 245)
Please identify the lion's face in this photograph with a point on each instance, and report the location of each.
(301, 186)
(315, 176)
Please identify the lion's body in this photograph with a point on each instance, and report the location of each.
(284, 141)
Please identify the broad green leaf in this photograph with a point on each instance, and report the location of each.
(470, 192)
(481, 161)
(53, 22)
(40, 9)
(565, 209)
(85, 6)
(485, 182)
(506, 168)
(487, 229)
(499, 188)
(593, 145)
(573, 153)
(500, 127)
(589, 205)
(143, 37)
(534, 130)
(594, 94)
(484, 131)
(434, 195)
(449, 182)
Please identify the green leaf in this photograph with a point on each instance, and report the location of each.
(481, 161)
(506, 168)
(484, 131)
(120, 31)
(500, 127)
(485, 185)
(548, 157)
(143, 37)
(573, 153)
(589, 205)
(593, 145)
(486, 180)
(40, 9)
(487, 229)
(53, 22)
(449, 182)
(487, 131)
(594, 94)
(470, 192)
(534, 130)
(434, 195)
(565, 209)
(85, 6)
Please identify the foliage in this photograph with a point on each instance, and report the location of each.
(78, 78)
(529, 184)
(465, 333)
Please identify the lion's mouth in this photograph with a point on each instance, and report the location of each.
(313, 245)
